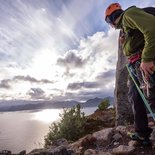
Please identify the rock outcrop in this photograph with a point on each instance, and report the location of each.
(123, 108)
(108, 141)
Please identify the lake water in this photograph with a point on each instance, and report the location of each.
(25, 130)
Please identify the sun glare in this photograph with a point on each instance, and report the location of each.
(47, 116)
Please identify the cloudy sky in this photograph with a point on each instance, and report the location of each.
(57, 49)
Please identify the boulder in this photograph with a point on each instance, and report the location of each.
(55, 151)
(103, 136)
(121, 129)
(117, 137)
(104, 153)
(61, 141)
(123, 150)
(90, 152)
(88, 141)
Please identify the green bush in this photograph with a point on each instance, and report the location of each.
(104, 104)
(70, 126)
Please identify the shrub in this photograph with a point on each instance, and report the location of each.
(70, 126)
(104, 104)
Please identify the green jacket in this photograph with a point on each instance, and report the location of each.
(132, 20)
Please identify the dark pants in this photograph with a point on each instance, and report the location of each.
(139, 110)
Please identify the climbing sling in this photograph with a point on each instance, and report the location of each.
(132, 75)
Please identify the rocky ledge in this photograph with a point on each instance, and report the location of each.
(107, 140)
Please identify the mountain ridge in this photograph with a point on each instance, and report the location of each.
(32, 105)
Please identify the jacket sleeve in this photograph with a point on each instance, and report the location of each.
(136, 18)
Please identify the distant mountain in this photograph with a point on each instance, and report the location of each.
(31, 105)
(96, 101)
(92, 102)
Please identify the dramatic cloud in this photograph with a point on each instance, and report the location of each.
(31, 79)
(36, 93)
(102, 79)
(71, 60)
(94, 54)
(106, 75)
(57, 49)
(5, 84)
(86, 68)
(79, 85)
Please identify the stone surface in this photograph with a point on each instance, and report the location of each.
(88, 141)
(116, 143)
(123, 150)
(117, 136)
(90, 152)
(121, 129)
(56, 151)
(152, 137)
(132, 143)
(94, 152)
(104, 136)
(5, 152)
(104, 153)
(59, 142)
(22, 152)
(108, 141)
(123, 108)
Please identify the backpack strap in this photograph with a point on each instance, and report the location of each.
(150, 10)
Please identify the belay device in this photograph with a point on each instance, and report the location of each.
(129, 68)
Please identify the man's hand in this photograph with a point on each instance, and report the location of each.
(147, 68)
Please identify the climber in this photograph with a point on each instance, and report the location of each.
(137, 40)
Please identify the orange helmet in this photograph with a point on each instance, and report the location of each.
(111, 8)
